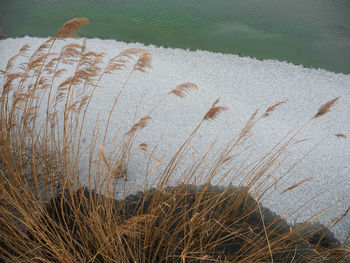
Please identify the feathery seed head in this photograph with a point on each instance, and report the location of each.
(181, 89)
(70, 27)
(214, 111)
(272, 108)
(143, 62)
(341, 135)
(325, 108)
(142, 123)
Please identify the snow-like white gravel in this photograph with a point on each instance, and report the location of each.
(243, 85)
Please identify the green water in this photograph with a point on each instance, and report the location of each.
(314, 33)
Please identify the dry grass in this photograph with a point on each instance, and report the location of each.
(47, 215)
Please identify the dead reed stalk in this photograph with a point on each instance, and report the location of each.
(48, 214)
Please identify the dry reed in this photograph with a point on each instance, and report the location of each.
(214, 111)
(272, 108)
(48, 215)
(341, 135)
(325, 108)
(183, 88)
(70, 27)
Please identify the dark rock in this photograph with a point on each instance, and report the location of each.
(63, 210)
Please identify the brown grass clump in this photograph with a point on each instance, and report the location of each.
(49, 215)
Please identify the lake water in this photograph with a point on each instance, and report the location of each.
(314, 33)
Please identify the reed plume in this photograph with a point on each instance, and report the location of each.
(143, 62)
(22, 52)
(183, 88)
(142, 123)
(143, 147)
(341, 135)
(325, 108)
(70, 27)
(120, 61)
(245, 132)
(214, 111)
(272, 108)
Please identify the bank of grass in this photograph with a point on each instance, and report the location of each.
(48, 215)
